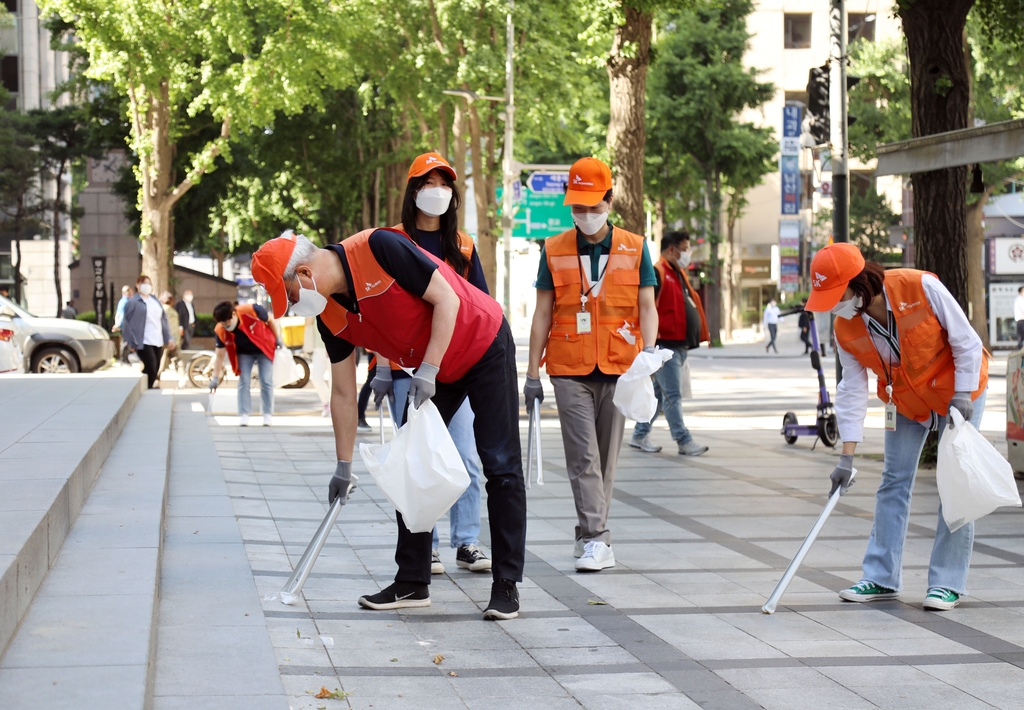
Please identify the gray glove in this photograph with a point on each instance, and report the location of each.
(842, 476)
(962, 402)
(650, 349)
(533, 391)
(214, 382)
(422, 386)
(381, 384)
(343, 482)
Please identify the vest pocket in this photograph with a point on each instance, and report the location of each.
(619, 349)
(923, 345)
(565, 349)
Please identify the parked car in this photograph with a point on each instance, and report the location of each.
(55, 345)
(10, 353)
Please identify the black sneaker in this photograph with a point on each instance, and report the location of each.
(504, 602)
(472, 558)
(400, 595)
(363, 426)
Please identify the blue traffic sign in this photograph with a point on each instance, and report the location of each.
(546, 183)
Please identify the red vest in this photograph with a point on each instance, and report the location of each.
(396, 324)
(261, 334)
(672, 305)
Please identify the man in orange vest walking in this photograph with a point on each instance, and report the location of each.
(595, 311)
(681, 327)
(905, 327)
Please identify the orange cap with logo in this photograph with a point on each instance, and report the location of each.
(430, 161)
(589, 180)
(832, 269)
(268, 265)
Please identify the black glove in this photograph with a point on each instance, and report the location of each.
(343, 482)
(533, 391)
(422, 386)
(961, 402)
(382, 384)
(842, 475)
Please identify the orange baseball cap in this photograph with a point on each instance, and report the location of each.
(589, 180)
(268, 265)
(832, 269)
(430, 161)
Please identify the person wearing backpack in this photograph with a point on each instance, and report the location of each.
(681, 328)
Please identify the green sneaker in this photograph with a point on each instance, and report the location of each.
(939, 599)
(867, 592)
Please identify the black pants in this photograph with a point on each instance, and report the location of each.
(150, 356)
(773, 330)
(1020, 334)
(805, 337)
(365, 392)
(493, 390)
(186, 337)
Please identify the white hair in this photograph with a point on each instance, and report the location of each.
(303, 254)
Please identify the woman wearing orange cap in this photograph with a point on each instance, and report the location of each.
(905, 327)
(430, 217)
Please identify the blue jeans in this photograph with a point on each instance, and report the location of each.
(465, 513)
(668, 386)
(951, 552)
(266, 369)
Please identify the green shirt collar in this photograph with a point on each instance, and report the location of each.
(582, 243)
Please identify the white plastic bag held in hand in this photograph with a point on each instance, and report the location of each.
(973, 478)
(285, 371)
(634, 392)
(419, 471)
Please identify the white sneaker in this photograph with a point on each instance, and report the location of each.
(243, 420)
(596, 557)
(577, 549)
(327, 410)
(692, 448)
(645, 445)
(268, 419)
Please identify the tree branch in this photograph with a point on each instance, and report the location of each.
(206, 159)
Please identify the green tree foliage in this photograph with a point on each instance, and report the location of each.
(871, 215)
(21, 202)
(881, 100)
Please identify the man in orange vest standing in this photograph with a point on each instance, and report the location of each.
(380, 291)
(681, 327)
(595, 311)
(249, 336)
(905, 327)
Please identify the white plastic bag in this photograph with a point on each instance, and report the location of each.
(634, 392)
(285, 371)
(419, 471)
(973, 478)
(687, 384)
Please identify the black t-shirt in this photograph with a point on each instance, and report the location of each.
(431, 242)
(244, 346)
(401, 260)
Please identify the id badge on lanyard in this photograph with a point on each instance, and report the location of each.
(890, 411)
(583, 317)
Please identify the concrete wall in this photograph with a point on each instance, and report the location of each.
(37, 269)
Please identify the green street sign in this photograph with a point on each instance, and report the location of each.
(538, 215)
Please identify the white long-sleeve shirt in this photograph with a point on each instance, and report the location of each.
(772, 315)
(852, 393)
(1018, 308)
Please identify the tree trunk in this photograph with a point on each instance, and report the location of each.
(376, 197)
(442, 130)
(58, 202)
(459, 156)
(728, 293)
(16, 240)
(978, 313)
(659, 223)
(713, 302)
(627, 74)
(486, 244)
(154, 247)
(939, 97)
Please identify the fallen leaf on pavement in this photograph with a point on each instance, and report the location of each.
(453, 674)
(326, 694)
(594, 602)
(438, 658)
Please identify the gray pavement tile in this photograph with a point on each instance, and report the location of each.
(920, 697)
(71, 687)
(616, 684)
(800, 677)
(998, 684)
(581, 656)
(218, 662)
(199, 506)
(221, 702)
(567, 632)
(535, 687)
(652, 701)
(102, 571)
(833, 698)
(123, 529)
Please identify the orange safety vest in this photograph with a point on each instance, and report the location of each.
(261, 334)
(923, 381)
(614, 338)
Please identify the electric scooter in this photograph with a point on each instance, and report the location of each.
(826, 428)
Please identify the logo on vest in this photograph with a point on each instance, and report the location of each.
(818, 279)
(371, 286)
(905, 306)
(577, 180)
(623, 247)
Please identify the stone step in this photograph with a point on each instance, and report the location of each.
(88, 639)
(55, 433)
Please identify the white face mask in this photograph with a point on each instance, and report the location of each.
(848, 309)
(311, 302)
(145, 289)
(232, 324)
(590, 222)
(684, 259)
(188, 298)
(434, 201)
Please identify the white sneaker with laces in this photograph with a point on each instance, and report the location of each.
(644, 444)
(268, 419)
(692, 448)
(327, 410)
(596, 557)
(243, 420)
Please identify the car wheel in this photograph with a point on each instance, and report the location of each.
(54, 361)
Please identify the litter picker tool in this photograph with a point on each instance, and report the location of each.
(780, 588)
(533, 447)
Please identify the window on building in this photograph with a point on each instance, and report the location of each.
(9, 73)
(12, 6)
(860, 25)
(798, 31)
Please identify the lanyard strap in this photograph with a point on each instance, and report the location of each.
(891, 337)
(579, 260)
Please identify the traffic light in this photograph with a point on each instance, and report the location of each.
(817, 123)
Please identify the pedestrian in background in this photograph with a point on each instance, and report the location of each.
(595, 312)
(904, 326)
(250, 337)
(126, 293)
(366, 391)
(681, 327)
(772, 318)
(145, 328)
(1018, 315)
(187, 319)
(69, 311)
(805, 328)
(170, 353)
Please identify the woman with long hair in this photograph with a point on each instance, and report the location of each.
(430, 218)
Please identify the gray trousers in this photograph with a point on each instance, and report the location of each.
(592, 429)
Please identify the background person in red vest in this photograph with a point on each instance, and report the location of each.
(681, 326)
(905, 327)
(382, 292)
(595, 312)
(249, 336)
